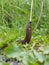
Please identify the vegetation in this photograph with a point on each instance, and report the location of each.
(14, 16)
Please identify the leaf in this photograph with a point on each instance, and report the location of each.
(29, 59)
(46, 50)
(14, 51)
(46, 60)
(4, 63)
(39, 56)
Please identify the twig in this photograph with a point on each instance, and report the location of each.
(39, 15)
(31, 10)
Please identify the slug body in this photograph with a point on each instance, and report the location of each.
(28, 34)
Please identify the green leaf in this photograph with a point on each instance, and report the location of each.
(29, 59)
(4, 63)
(46, 50)
(14, 51)
(39, 56)
(46, 60)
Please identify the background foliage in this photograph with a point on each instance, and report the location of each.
(14, 16)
